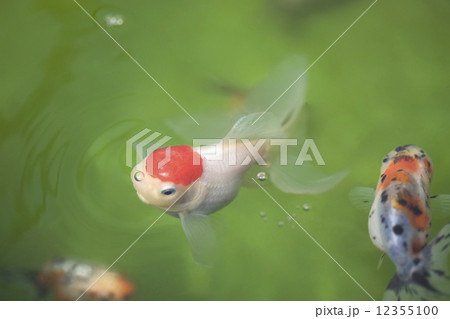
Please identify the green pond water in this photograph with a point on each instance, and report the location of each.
(70, 98)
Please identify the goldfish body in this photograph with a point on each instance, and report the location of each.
(399, 225)
(70, 279)
(186, 183)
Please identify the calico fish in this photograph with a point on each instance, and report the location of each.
(70, 279)
(400, 225)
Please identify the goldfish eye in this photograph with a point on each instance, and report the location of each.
(168, 190)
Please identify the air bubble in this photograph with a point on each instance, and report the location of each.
(114, 20)
(306, 207)
(139, 176)
(261, 176)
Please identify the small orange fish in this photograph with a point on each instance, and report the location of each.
(70, 279)
(400, 224)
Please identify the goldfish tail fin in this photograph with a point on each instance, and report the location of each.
(288, 172)
(292, 174)
(302, 179)
(202, 238)
(430, 279)
(278, 99)
(274, 109)
(267, 110)
(271, 108)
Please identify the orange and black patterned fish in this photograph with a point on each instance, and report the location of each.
(70, 279)
(400, 223)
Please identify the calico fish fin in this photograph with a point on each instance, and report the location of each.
(362, 198)
(430, 280)
(380, 261)
(441, 203)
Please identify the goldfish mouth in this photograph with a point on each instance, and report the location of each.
(142, 198)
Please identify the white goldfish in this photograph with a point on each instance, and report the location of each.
(186, 183)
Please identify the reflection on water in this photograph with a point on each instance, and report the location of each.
(64, 145)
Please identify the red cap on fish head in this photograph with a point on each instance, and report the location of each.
(175, 164)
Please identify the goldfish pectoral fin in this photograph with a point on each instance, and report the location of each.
(380, 261)
(303, 179)
(362, 198)
(441, 203)
(202, 238)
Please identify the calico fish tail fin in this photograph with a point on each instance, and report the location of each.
(430, 279)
